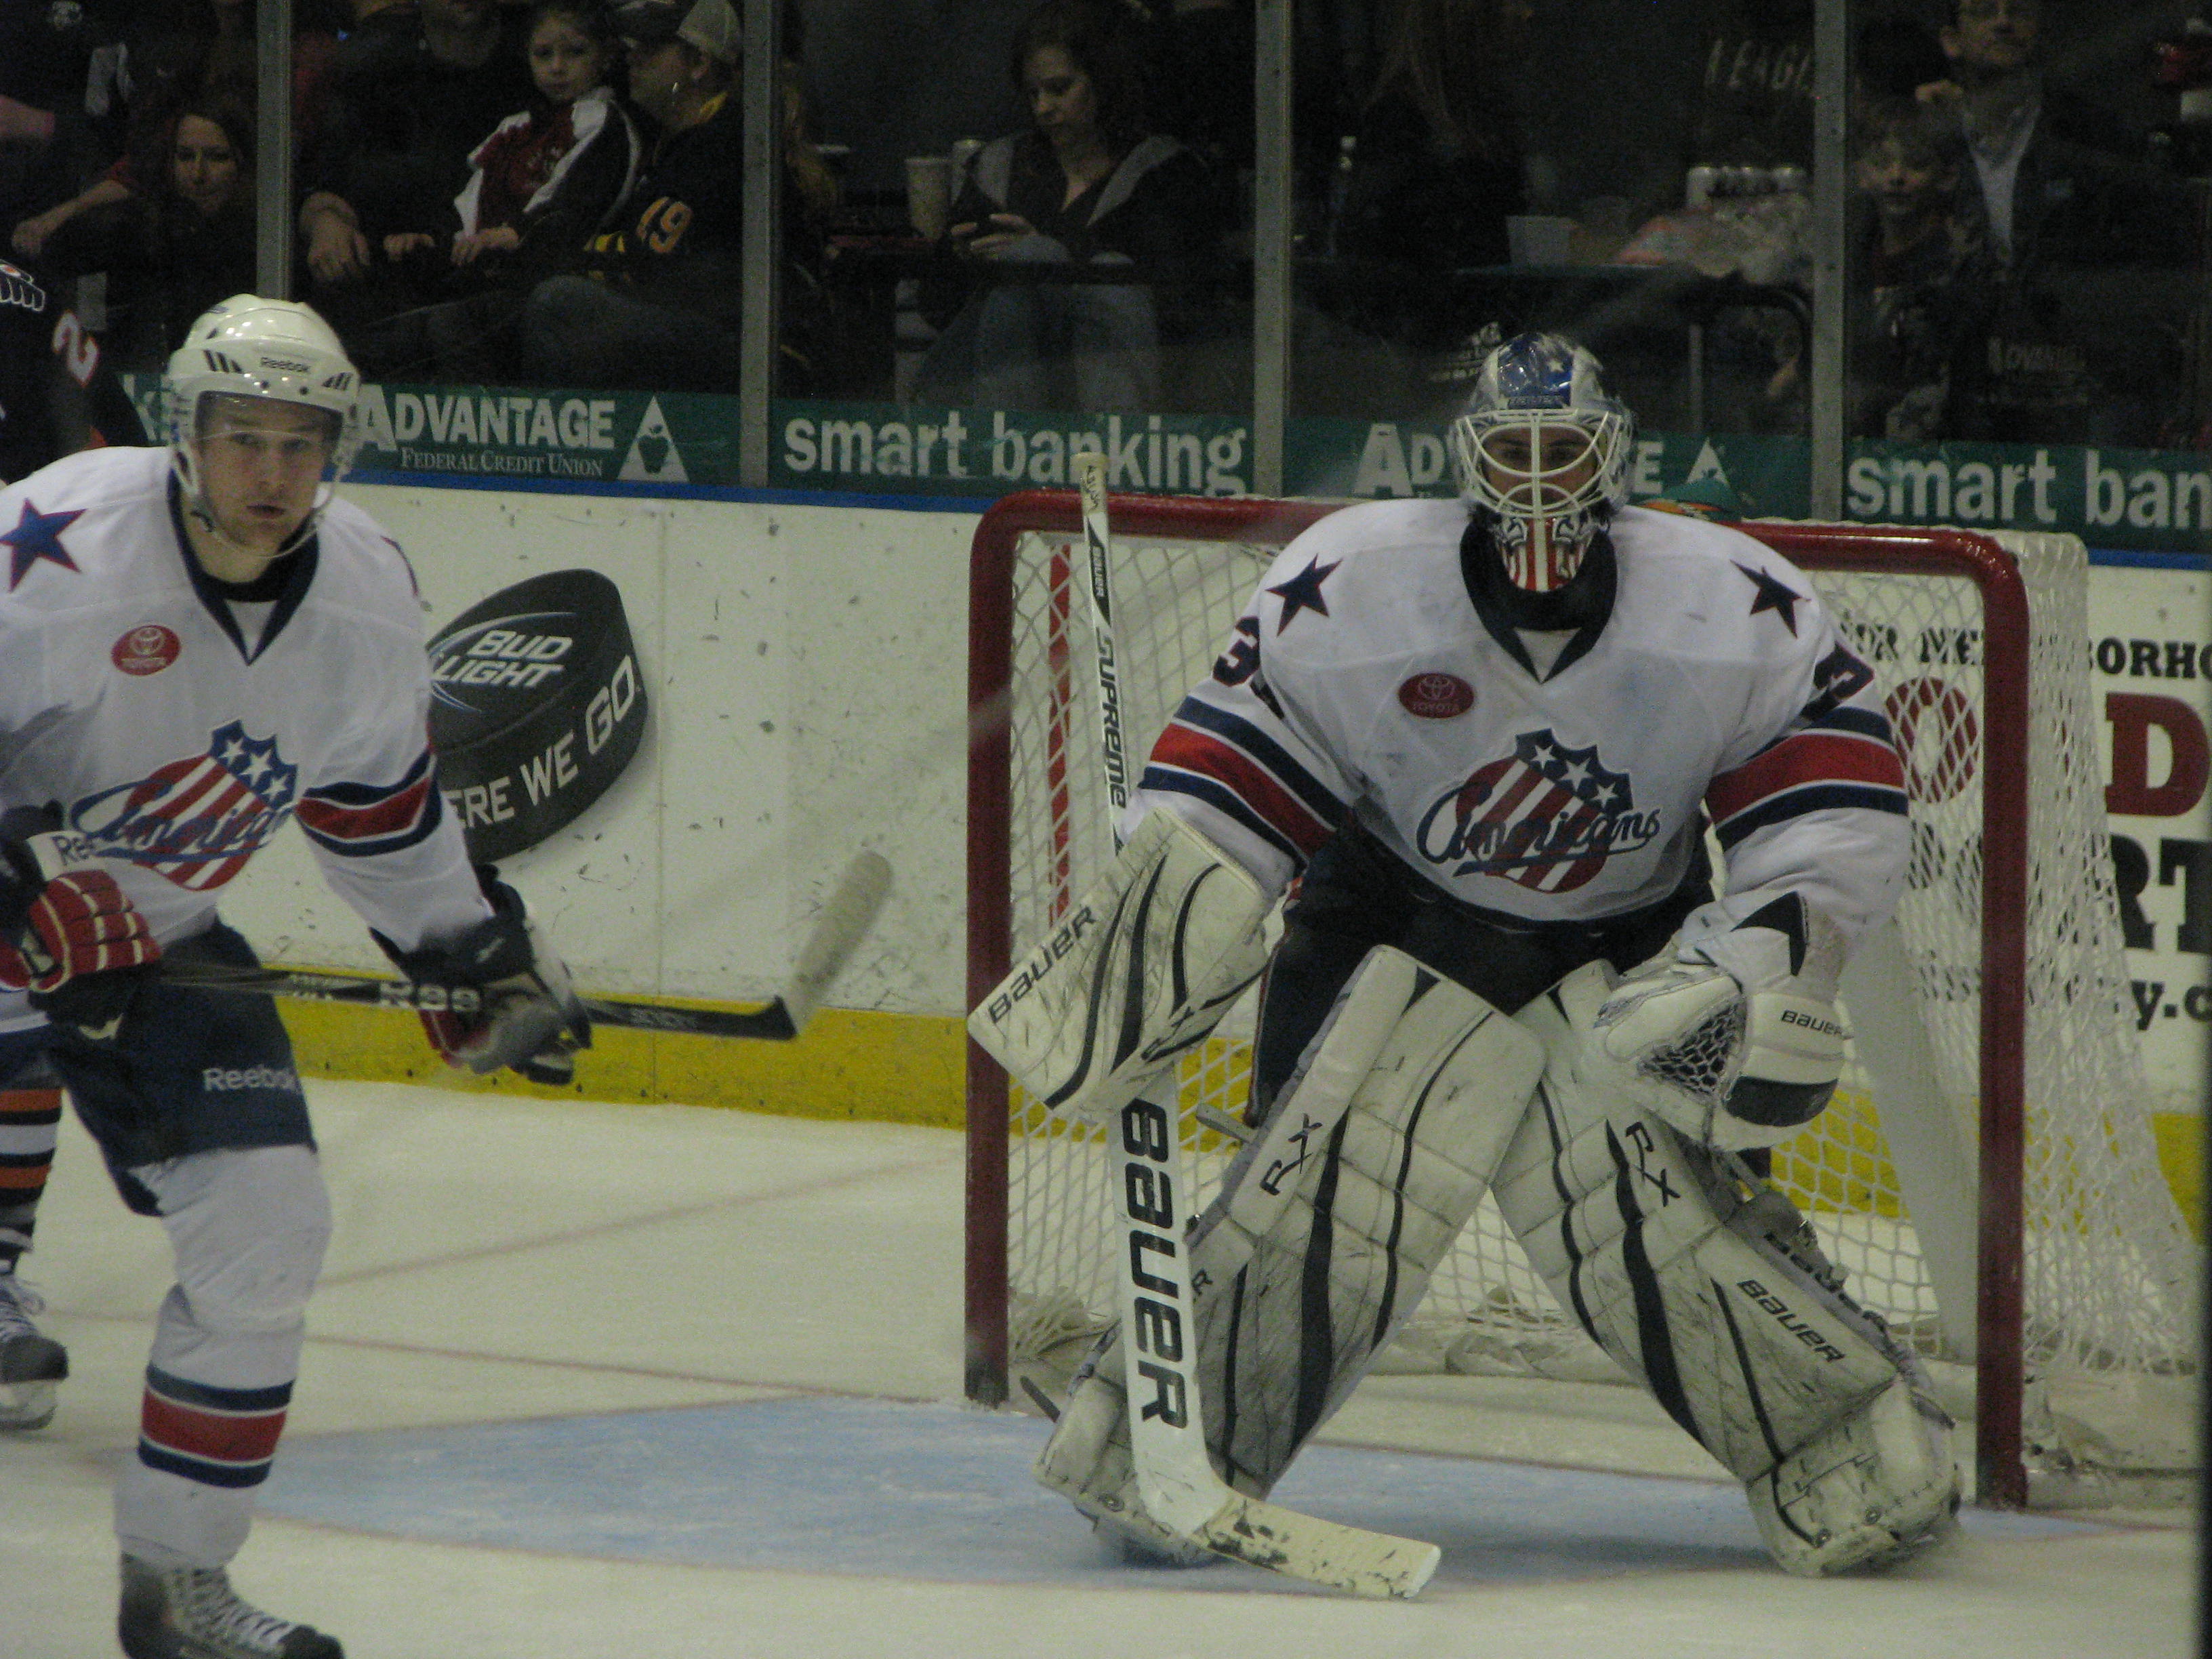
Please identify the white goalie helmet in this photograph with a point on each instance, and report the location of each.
(1543, 451)
(250, 347)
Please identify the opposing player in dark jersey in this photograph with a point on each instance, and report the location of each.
(1486, 736)
(198, 643)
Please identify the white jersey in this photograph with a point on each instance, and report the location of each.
(178, 732)
(1546, 779)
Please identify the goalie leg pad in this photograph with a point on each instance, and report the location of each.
(1686, 1274)
(1328, 1227)
(1143, 968)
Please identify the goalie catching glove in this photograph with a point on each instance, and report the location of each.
(1142, 969)
(1737, 1041)
(529, 1018)
(63, 920)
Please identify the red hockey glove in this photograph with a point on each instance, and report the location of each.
(61, 915)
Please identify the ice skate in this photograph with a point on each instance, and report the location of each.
(32, 1364)
(192, 1612)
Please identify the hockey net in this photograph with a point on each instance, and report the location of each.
(2032, 1211)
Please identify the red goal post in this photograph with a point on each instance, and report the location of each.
(998, 707)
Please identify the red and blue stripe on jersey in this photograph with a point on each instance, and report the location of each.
(359, 820)
(1235, 767)
(1840, 757)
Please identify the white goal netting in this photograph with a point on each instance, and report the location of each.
(2107, 1263)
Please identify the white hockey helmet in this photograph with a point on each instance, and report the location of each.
(250, 347)
(1543, 451)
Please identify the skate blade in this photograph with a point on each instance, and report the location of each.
(25, 1407)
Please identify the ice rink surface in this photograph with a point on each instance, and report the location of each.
(652, 1383)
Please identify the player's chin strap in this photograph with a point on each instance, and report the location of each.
(184, 467)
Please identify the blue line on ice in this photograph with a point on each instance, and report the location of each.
(934, 1491)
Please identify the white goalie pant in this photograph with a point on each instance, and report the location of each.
(1326, 1229)
(1681, 1274)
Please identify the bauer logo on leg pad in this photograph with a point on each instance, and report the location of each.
(1767, 1301)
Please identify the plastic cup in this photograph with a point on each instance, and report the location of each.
(929, 194)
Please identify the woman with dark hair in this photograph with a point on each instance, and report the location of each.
(1088, 184)
(180, 241)
(1437, 168)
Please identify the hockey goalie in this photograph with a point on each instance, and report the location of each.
(1479, 743)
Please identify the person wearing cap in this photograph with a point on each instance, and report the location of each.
(659, 305)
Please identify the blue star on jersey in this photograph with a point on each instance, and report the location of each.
(36, 535)
(1302, 593)
(1773, 596)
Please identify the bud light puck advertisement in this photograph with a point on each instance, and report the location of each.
(536, 706)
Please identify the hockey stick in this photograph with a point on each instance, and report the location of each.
(845, 919)
(1159, 1326)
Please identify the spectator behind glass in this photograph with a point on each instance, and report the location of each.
(1916, 275)
(548, 176)
(1437, 165)
(2030, 143)
(178, 49)
(172, 54)
(2068, 352)
(1088, 184)
(46, 146)
(176, 246)
(660, 309)
(412, 94)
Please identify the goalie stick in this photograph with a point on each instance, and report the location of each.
(1159, 1327)
(845, 919)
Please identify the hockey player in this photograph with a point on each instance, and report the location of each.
(196, 644)
(1484, 737)
(57, 394)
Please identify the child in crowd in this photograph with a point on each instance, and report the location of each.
(548, 176)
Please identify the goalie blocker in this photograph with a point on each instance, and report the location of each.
(1142, 969)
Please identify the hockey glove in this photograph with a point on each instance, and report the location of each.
(1737, 1041)
(63, 922)
(530, 1018)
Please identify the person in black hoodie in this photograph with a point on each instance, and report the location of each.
(1088, 184)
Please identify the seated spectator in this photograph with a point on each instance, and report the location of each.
(170, 56)
(1087, 185)
(1917, 278)
(179, 245)
(659, 307)
(548, 178)
(412, 94)
(1436, 167)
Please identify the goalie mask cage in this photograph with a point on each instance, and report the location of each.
(2023, 1238)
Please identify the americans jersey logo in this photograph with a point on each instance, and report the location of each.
(196, 821)
(1546, 816)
